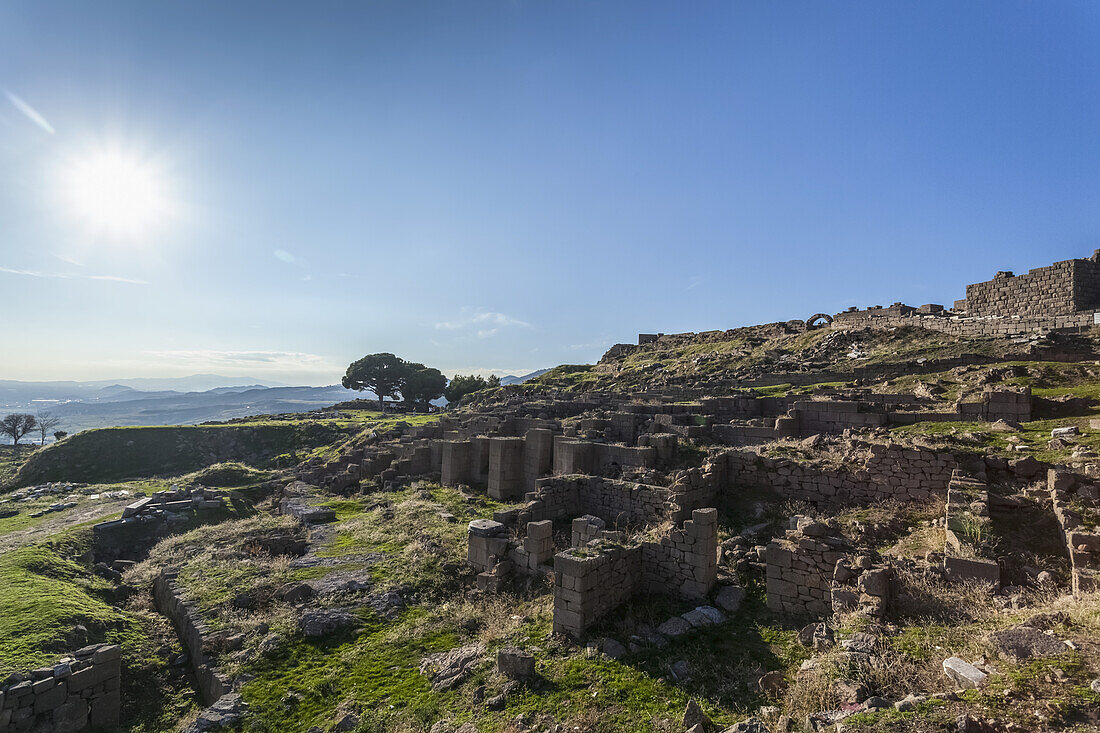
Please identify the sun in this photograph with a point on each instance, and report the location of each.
(117, 192)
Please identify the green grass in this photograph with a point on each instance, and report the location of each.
(376, 667)
(1035, 435)
(116, 454)
(45, 595)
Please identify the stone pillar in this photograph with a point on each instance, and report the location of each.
(572, 456)
(702, 558)
(505, 467)
(479, 466)
(455, 462)
(539, 541)
(421, 460)
(538, 455)
(487, 543)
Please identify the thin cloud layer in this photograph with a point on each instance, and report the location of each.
(214, 358)
(483, 323)
(72, 276)
(30, 113)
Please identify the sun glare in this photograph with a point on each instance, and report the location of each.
(117, 193)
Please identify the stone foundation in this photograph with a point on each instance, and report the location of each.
(79, 693)
(1071, 496)
(591, 582)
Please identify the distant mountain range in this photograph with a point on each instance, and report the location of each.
(83, 405)
(172, 401)
(520, 380)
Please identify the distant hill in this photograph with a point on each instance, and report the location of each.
(520, 380)
(111, 403)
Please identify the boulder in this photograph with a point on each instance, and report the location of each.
(1025, 642)
(849, 692)
(772, 683)
(703, 616)
(323, 622)
(1026, 467)
(729, 598)
(675, 626)
(226, 712)
(612, 648)
(447, 669)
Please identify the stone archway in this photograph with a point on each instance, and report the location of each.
(818, 320)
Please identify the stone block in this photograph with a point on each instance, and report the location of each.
(964, 674)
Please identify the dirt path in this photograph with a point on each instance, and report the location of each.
(87, 511)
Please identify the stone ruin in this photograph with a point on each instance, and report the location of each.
(80, 692)
(1065, 295)
(1076, 502)
(607, 505)
(151, 518)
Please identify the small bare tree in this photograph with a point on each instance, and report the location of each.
(16, 425)
(44, 422)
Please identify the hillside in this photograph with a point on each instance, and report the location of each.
(776, 354)
(768, 529)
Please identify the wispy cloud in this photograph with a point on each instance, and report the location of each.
(483, 323)
(72, 276)
(215, 358)
(283, 256)
(69, 260)
(695, 282)
(30, 112)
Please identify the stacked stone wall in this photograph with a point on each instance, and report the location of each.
(506, 469)
(616, 502)
(889, 472)
(591, 583)
(1063, 288)
(192, 631)
(968, 325)
(79, 693)
(1072, 495)
(685, 562)
(834, 416)
(800, 570)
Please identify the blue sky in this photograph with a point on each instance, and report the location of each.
(511, 185)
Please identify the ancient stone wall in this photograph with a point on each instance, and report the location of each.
(506, 463)
(192, 631)
(592, 582)
(888, 472)
(800, 570)
(967, 325)
(1063, 288)
(616, 502)
(685, 562)
(834, 416)
(456, 462)
(966, 520)
(79, 693)
(1073, 496)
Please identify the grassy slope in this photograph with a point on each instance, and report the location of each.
(745, 352)
(114, 454)
(46, 596)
